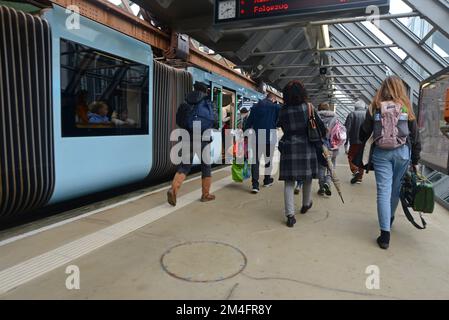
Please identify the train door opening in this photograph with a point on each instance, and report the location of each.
(229, 110)
(238, 107)
(229, 117)
(216, 93)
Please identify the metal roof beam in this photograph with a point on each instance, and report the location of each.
(304, 58)
(363, 35)
(245, 51)
(323, 22)
(282, 42)
(307, 59)
(305, 66)
(434, 11)
(365, 18)
(370, 90)
(403, 38)
(343, 38)
(350, 48)
(374, 82)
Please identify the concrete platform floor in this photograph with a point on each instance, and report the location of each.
(238, 246)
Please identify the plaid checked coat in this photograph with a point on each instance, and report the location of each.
(298, 156)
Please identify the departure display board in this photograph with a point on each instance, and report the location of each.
(229, 11)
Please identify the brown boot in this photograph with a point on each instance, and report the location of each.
(206, 197)
(176, 184)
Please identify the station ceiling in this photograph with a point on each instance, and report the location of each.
(358, 59)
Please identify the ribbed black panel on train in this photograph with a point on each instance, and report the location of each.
(170, 89)
(26, 121)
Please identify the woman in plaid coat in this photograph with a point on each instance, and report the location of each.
(298, 155)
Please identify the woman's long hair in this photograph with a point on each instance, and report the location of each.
(393, 89)
(295, 93)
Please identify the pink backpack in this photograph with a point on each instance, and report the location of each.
(391, 126)
(337, 136)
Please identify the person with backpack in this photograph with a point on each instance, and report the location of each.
(393, 124)
(263, 116)
(335, 138)
(353, 144)
(196, 110)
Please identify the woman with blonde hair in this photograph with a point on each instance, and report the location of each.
(392, 122)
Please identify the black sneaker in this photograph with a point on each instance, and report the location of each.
(268, 183)
(291, 221)
(255, 190)
(305, 209)
(321, 192)
(327, 190)
(356, 179)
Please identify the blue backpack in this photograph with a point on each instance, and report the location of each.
(201, 112)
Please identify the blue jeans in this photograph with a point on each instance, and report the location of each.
(390, 167)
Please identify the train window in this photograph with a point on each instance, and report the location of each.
(102, 94)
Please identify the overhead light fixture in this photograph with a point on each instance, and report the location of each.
(326, 35)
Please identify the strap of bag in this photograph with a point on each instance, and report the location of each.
(409, 216)
(312, 119)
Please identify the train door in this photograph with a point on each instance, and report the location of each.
(239, 105)
(216, 146)
(229, 109)
(229, 117)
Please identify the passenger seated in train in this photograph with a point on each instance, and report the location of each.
(82, 108)
(98, 113)
(122, 119)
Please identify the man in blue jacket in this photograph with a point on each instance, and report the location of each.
(263, 116)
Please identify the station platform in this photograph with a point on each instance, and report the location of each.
(236, 247)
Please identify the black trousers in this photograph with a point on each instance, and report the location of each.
(268, 153)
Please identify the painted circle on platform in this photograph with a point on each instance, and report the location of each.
(203, 261)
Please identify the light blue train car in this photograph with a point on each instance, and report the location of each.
(92, 111)
(104, 65)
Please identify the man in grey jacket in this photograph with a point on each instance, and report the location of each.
(353, 123)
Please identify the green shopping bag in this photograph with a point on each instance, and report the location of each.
(240, 172)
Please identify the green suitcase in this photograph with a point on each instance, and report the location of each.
(417, 193)
(424, 195)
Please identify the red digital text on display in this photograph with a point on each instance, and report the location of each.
(257, 7)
